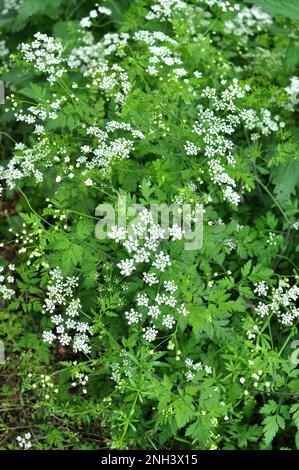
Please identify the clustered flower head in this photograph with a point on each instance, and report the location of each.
(224, 5)
(9, 5)
(159, 308)
(80, 380)
(248, 21)
(122, 369)
(293, 90)
(167, 10)
(86, 22)
(64, 309)
(107, 148)
(25, 163)
(3, 49)
(40, 113)
(216, 123)
(46, 54)
(164, 9)
(6, 281)
(159, 51)
(162, 52)
(24, 442)
(279, 301)
(193, 368)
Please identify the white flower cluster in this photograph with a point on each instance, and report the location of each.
(193, 368)
(113, 81)
(217, 123)
(108, 150)
(86, 57)
(224, 5)
(162, 52)
(23, 164)
(3, 49)
(68, 331)
(261, 288)
(281, 301)
(43, 386)
(86, 22)
(293, 90)
(90, 58)
(214, 131)
(34, 113)
(229, 243)
(251, 334)
(121, 369)
(80, 380)
(5, 281)
(262, 122)
(191, 148)
(248, 21)
(9, 5)
(24, 442)
(167, 10)
(164, 9)
(143, 243)
(153, 37)
(45, 53)
(115, 43)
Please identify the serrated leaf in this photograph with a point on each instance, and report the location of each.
(269, 408)
(199, 431)
(260, 273)
(271, 427)
(246, 292)
(184, 412)
(246, 268)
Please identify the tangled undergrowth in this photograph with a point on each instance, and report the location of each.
(118, 335)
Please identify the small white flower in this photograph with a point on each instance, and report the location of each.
(150, 334)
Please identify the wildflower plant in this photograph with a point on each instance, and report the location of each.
(165, 103)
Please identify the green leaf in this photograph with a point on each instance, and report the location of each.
(269, 408)
(183, 410)
(271, 427)
(36, 7)
(34, 91)
(246, 292)
(85, 229)
(260, 273)
(295, 411)
(286, 180)
(33, 341)
(199, 431)
(246, 268)
(288, 8)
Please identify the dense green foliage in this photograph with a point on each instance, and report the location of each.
(169, 101)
